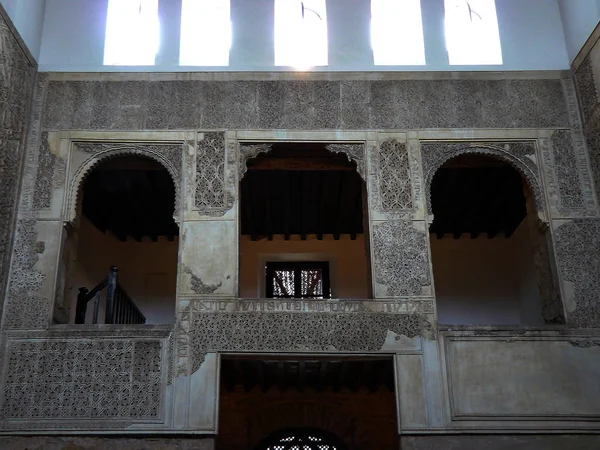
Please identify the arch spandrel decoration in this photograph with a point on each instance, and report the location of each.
(520, 155)
(354, 151)
(169, 155)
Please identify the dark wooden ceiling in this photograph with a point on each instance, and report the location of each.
(131, 197)
(299, 373)
(475, 196)
(301, 189)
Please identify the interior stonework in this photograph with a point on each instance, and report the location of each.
(501, 358)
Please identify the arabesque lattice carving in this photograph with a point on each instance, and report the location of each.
(83, 379)
(169, 155)
(520, 155)
(395, 189)
(313, 332)
(212, 197)
(25, 308)
(401, 258)
(577, 246)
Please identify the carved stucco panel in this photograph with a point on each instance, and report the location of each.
(50, 174)
(568, 176)
(391, 168)
(213, 189)
(521, 155)
(577, 247)
(86, 155)
(586, 86)
(400, 259)
(111, 382)
(17, 75)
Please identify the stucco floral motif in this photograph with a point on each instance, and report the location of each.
(400, 258)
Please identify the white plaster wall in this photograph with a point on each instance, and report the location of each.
(579, 18)
(348, 268)
(531, 33)
(147, 270)
(486, 281)
(27, 17)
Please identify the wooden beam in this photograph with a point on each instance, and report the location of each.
(299, 164)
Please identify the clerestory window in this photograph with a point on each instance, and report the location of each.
(397, 33)
(298, 280)
(205, 33)
(300, 33)
(472, 36)
(132, 33)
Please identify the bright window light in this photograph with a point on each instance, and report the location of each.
(205, 33)
(132, 33)
(397, 33)
(300, 33)
(472, 35)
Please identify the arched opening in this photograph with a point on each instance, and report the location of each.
(124, 220)
(302, 439)
(303, 226)
(490, 254)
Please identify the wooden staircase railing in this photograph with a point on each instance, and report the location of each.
(119, 307)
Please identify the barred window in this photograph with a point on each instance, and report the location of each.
(298, 280)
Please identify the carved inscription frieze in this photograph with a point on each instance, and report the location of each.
(281, 325)
(213, 197)
(577, 247)
(93, 380)
(170, 155)
(521, 155)
(400, 258)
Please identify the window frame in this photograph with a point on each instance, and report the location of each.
(297, 267)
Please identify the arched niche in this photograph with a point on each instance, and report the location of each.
(486, 191)
(520, 156)
(169, 156)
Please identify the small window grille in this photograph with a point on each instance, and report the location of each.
(298, 280)
(301, 439)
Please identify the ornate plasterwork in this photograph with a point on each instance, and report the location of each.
(354, 152)
(400, 258)
(577, 247)
(17, 76)
(25, 307)
(50, 175)
(568, 178)
(520, 155)
(393, 192)
(249, 151)
(93, 380)
(168, 154)
(292, 325)
(212, 195)
(586, 85)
